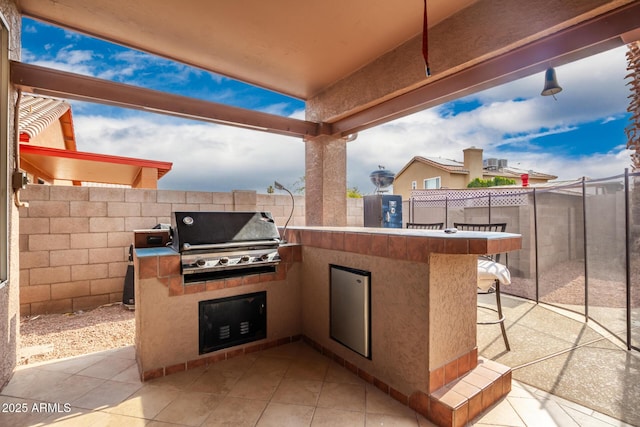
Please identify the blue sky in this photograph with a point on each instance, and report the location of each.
(580, 134)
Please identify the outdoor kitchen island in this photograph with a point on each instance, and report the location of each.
(422, 312)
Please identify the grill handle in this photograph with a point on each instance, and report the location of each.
(189, 247)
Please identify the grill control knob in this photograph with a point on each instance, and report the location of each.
(200, 262)
(264, 257)
(245, 258)
(223, 260)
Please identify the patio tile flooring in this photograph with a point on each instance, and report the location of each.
(291, 385)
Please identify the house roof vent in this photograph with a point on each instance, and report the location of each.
(491, 163)
(502, 163)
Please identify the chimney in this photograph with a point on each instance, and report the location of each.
(473, 163)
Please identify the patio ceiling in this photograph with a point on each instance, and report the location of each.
(314, 50)
(293, 47)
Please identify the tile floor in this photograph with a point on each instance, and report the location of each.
(291, 385)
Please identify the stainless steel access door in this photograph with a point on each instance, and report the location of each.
(350, 308)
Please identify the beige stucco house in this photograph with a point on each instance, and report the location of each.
(422, 173)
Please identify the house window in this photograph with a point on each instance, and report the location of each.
(4, 153)
(432, 183)
(414, 185)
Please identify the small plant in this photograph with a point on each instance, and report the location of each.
(500, 180)
(354, 193)
(299, 185)
(494, 182)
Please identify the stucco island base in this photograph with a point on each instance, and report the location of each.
(423, 313)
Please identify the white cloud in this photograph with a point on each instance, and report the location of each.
(85, 70)
(73, 56)
(596, 77)
(66, 59)
(118, 73)
(205, 156)
(515, 113)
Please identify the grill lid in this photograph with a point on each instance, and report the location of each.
(194, 229)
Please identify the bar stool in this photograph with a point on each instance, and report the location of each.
(490, 274)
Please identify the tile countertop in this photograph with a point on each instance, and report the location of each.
(409, 232)
(161, 251)
(402, 242)
(398, 243)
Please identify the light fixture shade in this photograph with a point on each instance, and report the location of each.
(551, 86)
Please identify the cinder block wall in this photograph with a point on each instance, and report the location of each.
(74, 241)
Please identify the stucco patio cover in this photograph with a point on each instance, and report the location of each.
(54, 163)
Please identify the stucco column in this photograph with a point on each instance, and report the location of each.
(326, 181)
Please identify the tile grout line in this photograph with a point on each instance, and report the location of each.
(319, 394)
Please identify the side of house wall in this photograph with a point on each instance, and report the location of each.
(419, 171)
(74, 241)
(10, 29)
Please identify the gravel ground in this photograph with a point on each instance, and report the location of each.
(74, 334)
(564, 284)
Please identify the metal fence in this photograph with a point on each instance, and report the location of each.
(580, 243)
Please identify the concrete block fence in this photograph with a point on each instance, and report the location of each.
(74, 241)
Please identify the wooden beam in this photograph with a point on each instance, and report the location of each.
(49, 82)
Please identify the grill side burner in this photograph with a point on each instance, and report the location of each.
(215, 245)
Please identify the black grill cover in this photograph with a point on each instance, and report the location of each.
(201, 228)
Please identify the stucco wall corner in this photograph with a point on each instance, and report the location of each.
(9, 294)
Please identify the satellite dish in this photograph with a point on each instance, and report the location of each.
(382, 178)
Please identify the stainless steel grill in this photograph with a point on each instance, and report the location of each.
(225, 244)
